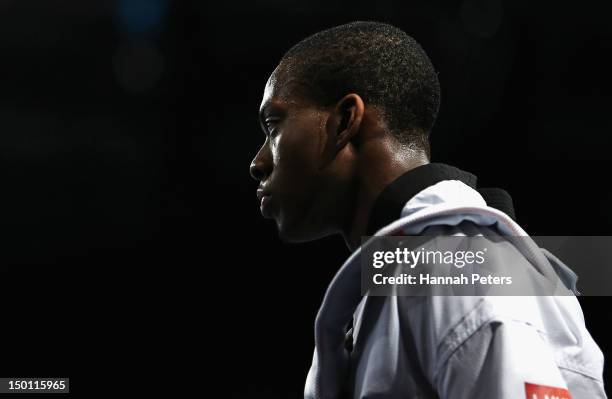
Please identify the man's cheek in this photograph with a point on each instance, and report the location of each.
(300, 147)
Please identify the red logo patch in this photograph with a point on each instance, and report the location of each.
(535, 391)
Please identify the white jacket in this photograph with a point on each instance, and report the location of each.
(494, 347)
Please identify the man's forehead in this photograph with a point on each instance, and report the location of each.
(271, 92)
(281, 90)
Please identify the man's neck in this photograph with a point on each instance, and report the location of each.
(379, 165)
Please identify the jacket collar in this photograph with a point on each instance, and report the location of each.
(393, 198)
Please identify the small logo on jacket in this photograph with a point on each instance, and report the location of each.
(535, 391)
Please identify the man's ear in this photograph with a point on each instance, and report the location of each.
(347, 116)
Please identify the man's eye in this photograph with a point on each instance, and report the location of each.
(270, 124)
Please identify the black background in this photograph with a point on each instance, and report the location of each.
(132, 244)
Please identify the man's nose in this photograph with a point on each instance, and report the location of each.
(259, 168)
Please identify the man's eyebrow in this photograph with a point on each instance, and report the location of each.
(264, 110)
(268, 108)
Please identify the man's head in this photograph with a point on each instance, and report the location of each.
(338, 100)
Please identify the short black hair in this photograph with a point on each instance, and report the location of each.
(382, 64)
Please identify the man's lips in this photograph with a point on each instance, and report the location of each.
(264, 203)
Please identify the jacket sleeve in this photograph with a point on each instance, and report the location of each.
(497, 357)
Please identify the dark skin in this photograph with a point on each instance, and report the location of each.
(321, 169)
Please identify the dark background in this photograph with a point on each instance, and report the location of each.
(132, 244)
